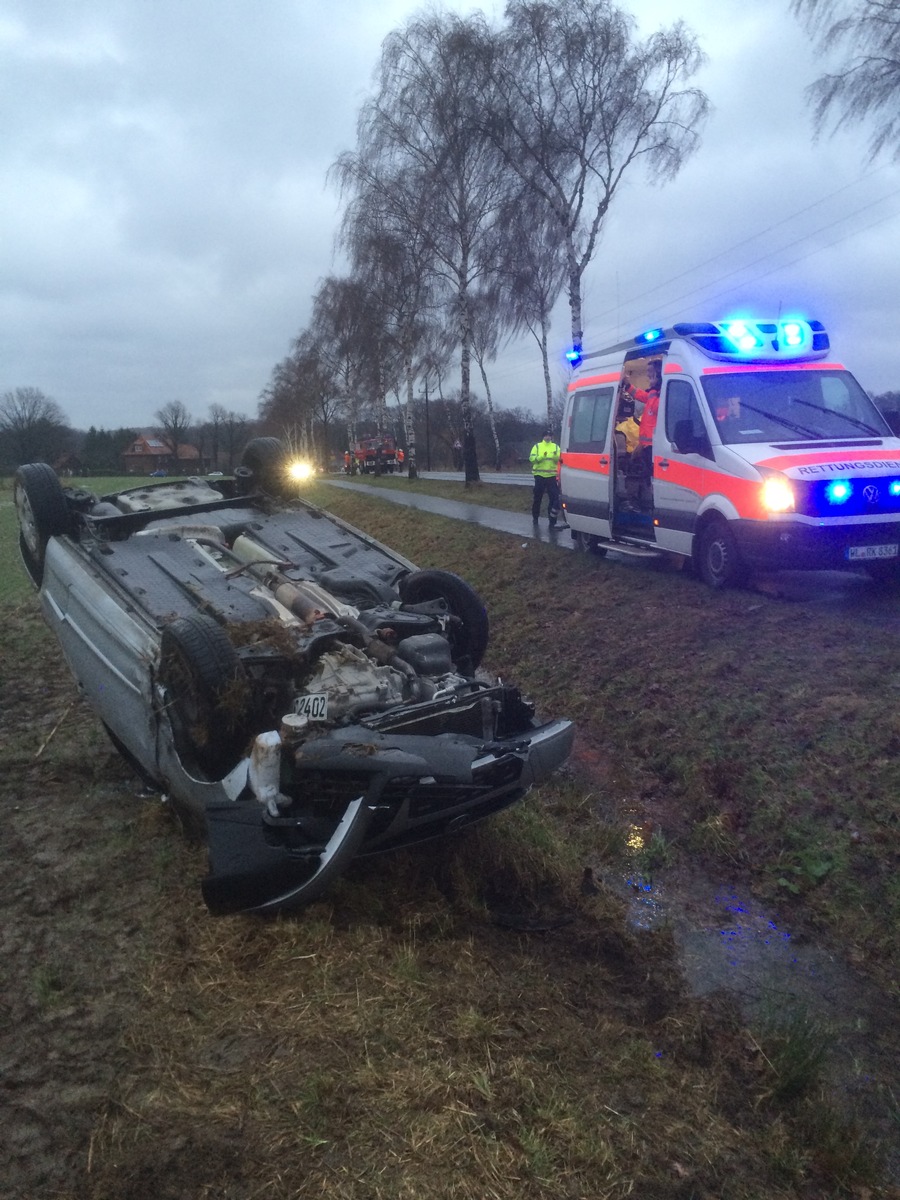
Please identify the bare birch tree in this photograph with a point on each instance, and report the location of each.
(350, 334)
(425, 117)
(866, 84)
(534, 271)
(385, 231)
(578, 101)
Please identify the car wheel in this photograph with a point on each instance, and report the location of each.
(207, 694)
(266, 460)
(587, 543)
(468, 636)
(42, 513)
(719, 560)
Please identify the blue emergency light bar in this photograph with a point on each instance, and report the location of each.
(739, 339)
(745, 340)
(650, 335)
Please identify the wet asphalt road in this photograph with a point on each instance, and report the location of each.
(847, 593)
(518, 524)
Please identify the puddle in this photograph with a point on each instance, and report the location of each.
(727, 940)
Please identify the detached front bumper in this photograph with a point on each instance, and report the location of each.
(359, 793)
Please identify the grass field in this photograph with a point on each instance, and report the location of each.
(467, 1020)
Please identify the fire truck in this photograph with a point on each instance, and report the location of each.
(374, 452)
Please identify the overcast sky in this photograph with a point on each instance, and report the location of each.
(165, 217)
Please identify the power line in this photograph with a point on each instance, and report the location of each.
(754, 237)
(780, 250)
(808, 254)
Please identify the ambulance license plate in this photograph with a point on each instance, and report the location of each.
(313, 705)
(862, 553)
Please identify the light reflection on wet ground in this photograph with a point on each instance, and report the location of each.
(727, 940)
(518, 524)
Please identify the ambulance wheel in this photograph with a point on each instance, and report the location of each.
(718, 559)
(587, 543)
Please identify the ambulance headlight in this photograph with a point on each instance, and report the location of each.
(300, 471)
(777, 494)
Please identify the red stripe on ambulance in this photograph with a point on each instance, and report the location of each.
(744, 494)
(598, 464)
(593, 380)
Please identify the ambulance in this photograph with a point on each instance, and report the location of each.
(737, 445)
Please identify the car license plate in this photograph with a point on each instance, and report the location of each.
(313, 705)
(861, 553)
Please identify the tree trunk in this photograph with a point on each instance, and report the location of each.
(548, 386)
(470, 453)
(491, 418)
(410, 420)
(575, 299)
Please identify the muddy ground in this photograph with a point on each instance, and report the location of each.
(97, 883)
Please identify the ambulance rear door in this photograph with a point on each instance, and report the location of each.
(586, 469)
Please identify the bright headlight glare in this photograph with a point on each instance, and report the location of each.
(777, 494)
(300, 470)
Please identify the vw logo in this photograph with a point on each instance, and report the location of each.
(870, 491)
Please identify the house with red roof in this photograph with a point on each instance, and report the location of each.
(149, 455)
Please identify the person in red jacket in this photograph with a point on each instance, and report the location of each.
(650, 400)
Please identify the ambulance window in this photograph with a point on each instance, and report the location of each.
(681, 405)
(590, 420)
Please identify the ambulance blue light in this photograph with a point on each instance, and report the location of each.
(574, 357)
(651, 335)
(743, 336)
(839, 491)
(792, 333)
(894, 487)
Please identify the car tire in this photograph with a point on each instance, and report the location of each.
(587, 543)
(718, 558)
(204, 681)
(42, 513)
(266, 460)
(469, 638)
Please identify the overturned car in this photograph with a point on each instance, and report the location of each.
(303, 694)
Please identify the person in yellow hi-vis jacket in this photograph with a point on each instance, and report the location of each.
(544, 459)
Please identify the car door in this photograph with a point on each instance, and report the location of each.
(585, 472)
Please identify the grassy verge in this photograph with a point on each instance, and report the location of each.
(463, 1020)
(758, 730)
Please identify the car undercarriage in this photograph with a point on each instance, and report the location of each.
(302, 693)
